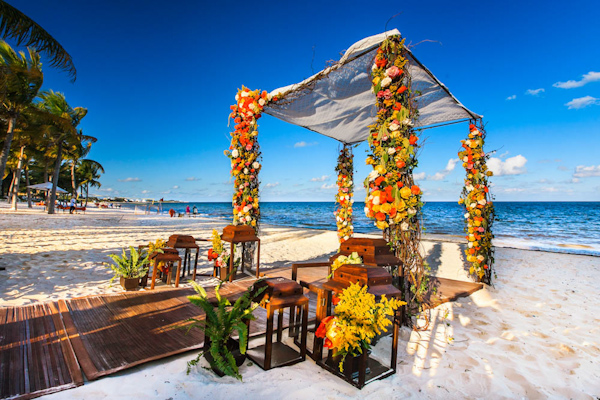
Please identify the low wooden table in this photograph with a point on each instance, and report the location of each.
(168, 256)
(281, 293)
(188, 243)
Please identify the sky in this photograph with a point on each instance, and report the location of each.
(158, 79)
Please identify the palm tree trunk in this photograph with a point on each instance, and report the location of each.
(55, 179)
(7, 141)
(73, 179)
(87, 193)
(10, 188)
(29, 202)
(15, 196)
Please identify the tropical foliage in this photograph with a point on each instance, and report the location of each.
(479, 208)
(358, 319)
(40, 137)
(222, 320)
(345, 194)
(132, 265)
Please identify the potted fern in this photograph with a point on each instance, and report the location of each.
(223, 319)
(129, 267)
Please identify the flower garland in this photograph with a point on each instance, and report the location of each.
(479, 207)
(393, 200)
(358, 318)
(244, 153)
(344, 197)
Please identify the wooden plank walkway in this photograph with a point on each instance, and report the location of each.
(35, 356)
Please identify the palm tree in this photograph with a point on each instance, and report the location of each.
(89, 171)
(26, 32)
(64, 135)
(76, 152)
(21, 81)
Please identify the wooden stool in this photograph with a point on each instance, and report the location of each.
(280, 294)
(168, 256)
(188, 243)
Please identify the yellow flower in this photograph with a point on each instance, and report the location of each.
(380, 169)
(405, 192)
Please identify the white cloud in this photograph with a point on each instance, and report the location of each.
(511, 166)
(504, 154)
(440, 175)
(305, 144)
(327, 187)
(271, 185)
(321, 179)
(130, 180)
(176, 187)
(420, 176)
(514, 96)
(582, 102)
(550, 189)
(192, 179)
(534, 92)
(145, 191)
(514, 190)
(585, 172)
(586, 78)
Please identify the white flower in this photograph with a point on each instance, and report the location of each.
(391, 151)
(244, 94)
(252, 106)
(247, 208)
(407, 122)
(241, 187)
(345, 223)
(374, 67)
(394, 127)
(473, 205)
(469, 188)
(346, 237)
(235, 153)
(465, 159)
(385, 82)
(246, 171)
(466, 215)
(373, 175)
(411, 211)
(349, 183)
(261, 102)
(352, 227)
(480, 257)
(376, 200)
(468, 142)
(255, 165)
(366, 210)
(237, 97)
(470, 244)
(404, 226)
(232, 165)
(482, 202)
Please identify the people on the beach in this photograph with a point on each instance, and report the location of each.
(172, 213)
(72, 205)
(187, 210)
(195, 210)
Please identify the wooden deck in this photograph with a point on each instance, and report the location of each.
(44, 348)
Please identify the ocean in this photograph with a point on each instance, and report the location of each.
(569, 227)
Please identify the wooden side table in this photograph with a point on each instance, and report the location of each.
(236, 234)
(280, 294)
(188, 243)
(168, 256)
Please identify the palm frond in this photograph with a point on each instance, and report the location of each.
(25, 31)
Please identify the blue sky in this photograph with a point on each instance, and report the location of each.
(158, 82)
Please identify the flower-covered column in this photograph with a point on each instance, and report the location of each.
(476, 198)
(345, 194)
(393, 200)
(244, 153)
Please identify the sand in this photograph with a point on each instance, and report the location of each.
(534, 334)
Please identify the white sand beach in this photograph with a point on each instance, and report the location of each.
(534, 334)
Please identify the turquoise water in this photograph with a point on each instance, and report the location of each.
(572, 227)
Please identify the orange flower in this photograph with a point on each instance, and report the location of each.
(380, 62)
(322, 330)
(380, 216)
(400, 164)
(402, 89)
(413, 140)
(415, 190)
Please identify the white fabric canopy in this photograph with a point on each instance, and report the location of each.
(338, 102)
(46, 186)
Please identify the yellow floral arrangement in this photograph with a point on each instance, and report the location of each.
(479, 215)
(158, 247)
(358, 319)
(244, 153)
(393, 200)
(218, 252)
(344, 197)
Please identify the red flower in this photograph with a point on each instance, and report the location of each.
(212, 255)
(380, 62)
(401, 90)
(413, 140)
(322, 329)
(415, 189)
(400, 164)
(328, 343)
(335, 300)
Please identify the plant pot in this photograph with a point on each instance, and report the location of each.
(234, 348)
(130, 283)
(351, 364)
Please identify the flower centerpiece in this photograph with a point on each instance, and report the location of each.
(353, 258)
(244, 153)
(358, 319)
(217, 252)
(157, 247)
(479, 215)
(344, 197)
